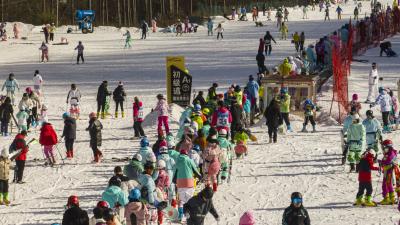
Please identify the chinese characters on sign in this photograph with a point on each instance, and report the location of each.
(181, 86)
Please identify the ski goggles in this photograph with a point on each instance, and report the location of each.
(297, 200)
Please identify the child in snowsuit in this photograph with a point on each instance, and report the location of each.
(94, 129)
(210, 27)
(148, 185)
(136, 211)
(69, 134)
(284, 31)
(134, 168)
(241, 139)
(80, 49)
(373, 131)
(163, 110)
(45, 52)
(169, 168)
(4, 176)
(102, 94)
(119, 96)
(48, 138)
(364, 178)
(308, 108)
(138, 117)
(356, 141)
(220, 31)
(74, 98)
(226, 155)
(6, 112)
(354, 104)
(22, 117)
(388, 163)
(128, 40)
(212, 164)
(163, 182)
(145, 150)
(11, 84)
(385, 102)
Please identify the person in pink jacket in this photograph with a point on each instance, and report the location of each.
(138, 117)
(388, 163)
(211, 165)
(136, 210)
(162, 183)
(162, 110)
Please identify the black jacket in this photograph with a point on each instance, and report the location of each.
(94, 129)
(198, 207)
(6, 111)
(236, 112)
(102, 93)
(75, 216)
(260, 59)
(201, 100)
(273, 116)
(119, 94)
(69, 131)
(295, 216)
(268, 39)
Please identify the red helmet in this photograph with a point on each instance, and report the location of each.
(387, 143)
(73, 200)
(103, 204)
(28, 90)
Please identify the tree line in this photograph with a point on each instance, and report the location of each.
(125, 12)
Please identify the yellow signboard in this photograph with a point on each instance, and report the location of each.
(178, 62)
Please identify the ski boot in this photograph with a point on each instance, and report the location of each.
(6, 201)
(304, 130)
(313, 129)
(270, 140)
(180, 214)
(386, 129)
(352, 167)
(368, 201)
(359, 201)
(385, 201)
(116, 115)
(289, 129)
(123, 114)
(392, 198)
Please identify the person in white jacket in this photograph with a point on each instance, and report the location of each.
(372, 83)
(74, 98)
(385, 102)
(37, 83)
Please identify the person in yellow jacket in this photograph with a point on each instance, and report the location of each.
(52, 30)
(261, 96)
(285, 68)
(238, 94)
(284, 31)
(296, 41)
(284, 102)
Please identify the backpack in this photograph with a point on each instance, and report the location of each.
(13, 147)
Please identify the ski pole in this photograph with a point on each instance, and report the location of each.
(376, 186)
(58, 150)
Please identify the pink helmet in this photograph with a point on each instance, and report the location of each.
(247, 219)
(355, 97)
(28, 90)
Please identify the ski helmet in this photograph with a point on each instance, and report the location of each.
(137, 156)
(284, 90)
(206, 111)
(387, 143)
(196, 108)
(73, 201)
(171, 144)
(196, 148)
(381, 89)
(163, 143)
(369, 151)
(215, 85)
(115, 181)
(222, 132)
(144, 142)
(207, 192)
(163, 149)
(308, 102)
(103, 204)
(92, 115)
(354, 97)
(160, 96)
(161, 164)
(151, 157)
(370, 113)
(135, 194)
(65, 115)
(355, 117)
(28, 90)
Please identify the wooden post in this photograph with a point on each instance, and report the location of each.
(57, 13)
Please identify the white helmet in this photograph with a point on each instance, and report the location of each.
(355, 117)
(171, 144)
(151, 157)
(137, 156)
(161, 164)
(163, 149)
(222, 132)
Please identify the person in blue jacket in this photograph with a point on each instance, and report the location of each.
(114, 195)
(147, 183)
(210, 27)
(373, 130)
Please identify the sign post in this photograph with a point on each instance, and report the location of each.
(179, 81)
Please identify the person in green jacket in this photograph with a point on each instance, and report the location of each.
(114, 194)
(356, 135)
(284, 101)
(134, 168)
(185, 169)
(227, 147)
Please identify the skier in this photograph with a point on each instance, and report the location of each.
(52, 30)
(211, 165)
(296, 214)
(136, 211)
(339, 11)
(200, 100)
(46, 33)
(311, 57)
(284, 31)
(221, 118)
(5, 164)
(389, 164)
(210, 26)
(284, 102)
(296, 41)
(385, 102)
(80, 49)
(119, 96)
(212, 92)
(268, 43)
(16, 31)
(145, 29)
(327, 14)
(11, 84)
(94, 129)
(260, 58)
(74, 215)
(226, 147)
(74, 98)
(37, 83)
(373, 131)
(48, 138)
(128, 40)
(286, 15)
(302, 40)
(252, 90)
(199, 206)
(145, 150)
(20, 143)
(138, 116)
(372, 83)
(394, 111)
(22, 117)
(6, 113)
(356, 13)
(186, 22)
(134, 168)
(45, 52)
(36, 106)
(102, 93)
(364, 178)
(69, 134)
(305, 10)
(179, 28)
(114, 195)
(169, 167)
(273, 117)
(162, 110)
(308, 108)
(354, 104)
(162, 184)
(356, 141)
(185, 169)
(320, 51)
(154, 25)
(147, 183)
(220, 31)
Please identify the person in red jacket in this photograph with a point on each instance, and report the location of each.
(221, 118)
(20, 160)
(48, 138)
(138, 116)
(364, 178)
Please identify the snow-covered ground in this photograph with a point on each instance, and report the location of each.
(262, 182)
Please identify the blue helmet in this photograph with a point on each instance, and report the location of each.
(135, 194)
(308, 102)
(381, 89)
(65, 115)
(284, 90)
(196, 108)
(144, 142)
(196, 148)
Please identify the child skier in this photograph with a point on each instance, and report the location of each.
(147, 183)
(145, 150)
(43, 118)
(134, 168)
(385, 102)
(356, 141)
(22, 117)
(194, 155)
(119, 96)
(241, 139)
(169, 167)
(388, 163)
(4, 176)
(373, 131)
(11, 84)
(94, 129)
(308, 108)
(6, 113)
(284, 31)
(354, 104)
(80, 49)
(210, 27)
(220, 31)
(48, 138)
(128, 39)
(138, 117)
(163, 110)
(69, 134)
(37, 83)
(364, 178)
(45, 52)
(226, 148)
(136, 211)
(74, 98)
(163, 183)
